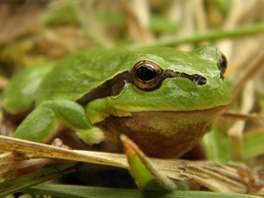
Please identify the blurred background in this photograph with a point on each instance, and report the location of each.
(37, 31)
(33, 31)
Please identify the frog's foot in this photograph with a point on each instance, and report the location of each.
(91, 136)
(43, 123)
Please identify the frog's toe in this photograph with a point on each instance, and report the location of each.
(91, 136)
(59, 143)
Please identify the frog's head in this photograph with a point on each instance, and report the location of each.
(164, 79)
(185, 80)
(165, 98)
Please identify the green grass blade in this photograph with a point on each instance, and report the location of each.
(213, 35)
(71, 191)
(253, 144)
(19, 183)
(145, 174)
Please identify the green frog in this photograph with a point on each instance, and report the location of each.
(163, 99)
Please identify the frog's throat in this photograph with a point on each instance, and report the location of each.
(161, 133)
(115, 85)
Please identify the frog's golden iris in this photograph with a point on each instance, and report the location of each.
(146, 75)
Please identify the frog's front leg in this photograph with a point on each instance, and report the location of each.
(41, 124)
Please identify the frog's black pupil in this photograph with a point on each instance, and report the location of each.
(146, 73)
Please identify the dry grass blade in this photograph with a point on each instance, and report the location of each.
(3, 83)
(8, 164)
(255, 67)
(18, 17)
(242, 116)
(214, 176)
(48, 151)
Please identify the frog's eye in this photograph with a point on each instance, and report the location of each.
(146, 75)
(222, 65)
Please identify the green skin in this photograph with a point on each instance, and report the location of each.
(54, 90)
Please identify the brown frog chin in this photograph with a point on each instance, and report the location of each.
(163, 134)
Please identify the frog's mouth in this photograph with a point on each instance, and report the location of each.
(145, 75)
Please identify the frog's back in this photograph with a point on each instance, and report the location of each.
(81, 72)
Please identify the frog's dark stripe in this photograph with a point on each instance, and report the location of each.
(198, 79)
(111, 87)
(114, 86)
